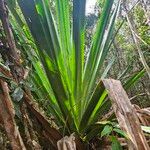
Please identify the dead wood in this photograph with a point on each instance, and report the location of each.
(32, 142)
(7, 116)
(144, 115)
(6, 26)
(11, 51)
(5, 71)
(126, 115)
(67, 143)
(51, 132)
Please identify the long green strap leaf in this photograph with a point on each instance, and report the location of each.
(78, 40)
(42, 27)
(102, 41)
(78, 45)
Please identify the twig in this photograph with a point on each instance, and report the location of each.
(141, 94)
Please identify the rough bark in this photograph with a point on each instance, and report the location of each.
(31, 140)
(50, 132)
(67, 143)
(126, 115)
(7, 116)
(11, 51)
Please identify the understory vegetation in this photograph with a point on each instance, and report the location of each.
(54, 58)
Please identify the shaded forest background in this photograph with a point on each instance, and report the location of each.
(124, 50)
